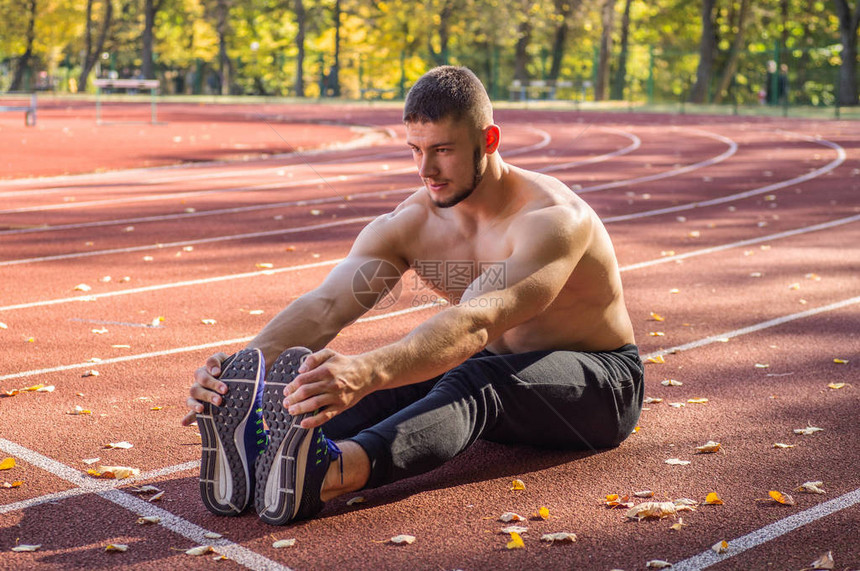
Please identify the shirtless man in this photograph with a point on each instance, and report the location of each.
(538, 349)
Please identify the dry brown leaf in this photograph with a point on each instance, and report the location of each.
(811, 488)
(825, 562)
(148, 519)
(781, 445)
(355, 500)
(651, 509)
(116, 547)
(79, 410)
(658, 564)
(678, 525)
(114, 472)
(697, 401)
(508, 517)
(24, 547)
(708, 447)
(559, 536)
(652, 400)
(147, 489)
(514, 529)
(403, 539)
(676, 462)
(656, 317)
(808, 430)
(837, 386)
(199, 550)
(615, 501)
(281, 543)
(156, 497)
(212, 535)
(15, 484)
(644, 494)
(671, 383)
(720, 546)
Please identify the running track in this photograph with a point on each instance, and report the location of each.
(740, 234)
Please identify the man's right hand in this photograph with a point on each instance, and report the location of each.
(206, 387)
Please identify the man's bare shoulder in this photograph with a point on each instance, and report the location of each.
(550, 206)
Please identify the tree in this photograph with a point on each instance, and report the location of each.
(299, 81)
(24, 61)
(734, 54)
(607, 17)
(93, 51)
(621, 71)
(524, 36)
(150, 9)
(848, 22)
(563, 10)
(707, 49)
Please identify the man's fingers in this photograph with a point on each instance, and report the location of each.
(202, 394)
(188, 418)
(213, 363)
(314, 360)
(204, 378)
(319, 419)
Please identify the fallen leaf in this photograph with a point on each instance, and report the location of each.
(265, 266)
(114, 472)
(316, 212)
(808, 430)
(89, 461)
(156, 497)
(100, 331)
(208, 321)
(671, 383)
(517, 485)
(116, 547)
(713, 499)
(80, 410)
(677, 404)
(7, 464)
(781, 498)
(614, 501)
(200, 550)
(284, 543)
(403, 539)
(47, 389)
(82, 287)
(656, 317)
(560, 536)
(15, 484)
(219, 557)
(839, 361)
(678, 525)
(720, 546)
(676, 462)
(516, 541)
(514, 529)
(156, 408)
(708, 447)
(825, 562)
(762, 365)
(651, 509)
(148, 519)
(811, 488)
(652, 400)
(644, 494)
(837, 386)
(147, 489)
(355, 500)
(211, 534)
(121, 445)
(508, 517)
(781, 445)
(25, 547)
(658, 564)
(3, 325)
(542, 513)
(656, 334)
(92, 373)
(698, 401)
(658, 360)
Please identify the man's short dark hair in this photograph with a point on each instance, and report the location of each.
(448, 92)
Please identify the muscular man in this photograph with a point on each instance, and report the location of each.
(537, 348)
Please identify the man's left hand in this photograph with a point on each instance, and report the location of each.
(328, 383)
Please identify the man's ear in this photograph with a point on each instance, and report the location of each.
(492, 138)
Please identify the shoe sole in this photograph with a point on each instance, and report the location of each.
(279, 475)
(225, 474)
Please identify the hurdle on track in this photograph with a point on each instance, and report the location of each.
(126, 84)
(29, 110)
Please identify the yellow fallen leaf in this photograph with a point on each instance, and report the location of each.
(762, 365)
(148, 519)
(281, 543)
(46, 389)
(79, 410)
(7, 464)
(116, 547)
(656, 317)
(720, 546)
(781, 445)
(156, 408)
(403, 539)
(516, 541)
(542, 513)
(839, 361)
(656, 334)
(559, 536)
(200, 550)
(671, 383)
(15, 484)
(25, 547)
(114, 472)
(811, 488)
(508, 517)
(781, 498)
(615, 501)
(708, 447)
(517, 485)
(713, 499)
(32, 388)
(265, 266)
(674, 290)
(698, 401)
(658, 360)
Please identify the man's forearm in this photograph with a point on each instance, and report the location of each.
(435, 347)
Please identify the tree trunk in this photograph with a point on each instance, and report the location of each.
(334, 72)
(24, 62)
(732, 63)
(92, 53)
(848, 22)
(441, 57)
(299, 85)
(150, 8)
(524, 36)
(225, 66)
(707, 49)
(621, 72)
(608, 21)
(563, 9)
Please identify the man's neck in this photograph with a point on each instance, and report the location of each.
(490, 199)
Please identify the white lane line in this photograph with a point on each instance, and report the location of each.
(733, 148)
(545, 140)
(318, 179)
(177, 350)
(158, 287)
(162, 246)
(753, 328)
(769, 532)
(636, 142)
(201, 281)
(107, 490)
(742, 243)
(840, 158)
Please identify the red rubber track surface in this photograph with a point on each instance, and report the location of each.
(740, 234)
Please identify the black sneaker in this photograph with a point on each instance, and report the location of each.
(233, 435)
(291, 471)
